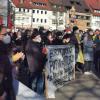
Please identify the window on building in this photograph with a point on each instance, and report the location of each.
(27, 10)
(23, 10)
(33, 11)
(87, 17)
(78, 3)
(39, 4)
(37, 19)
(41, 20)
(53, 21)
(54, 13)
(37, 11)
(60, 22)
(41, 12)
(88, 24)
(45, 12)
(82, 17)
(72, 2)
(19, 9)
(33, 19)
(61, 14)
(87, 10)
(45, 20)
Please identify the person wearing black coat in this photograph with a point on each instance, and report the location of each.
(5, 39)
(35, 62)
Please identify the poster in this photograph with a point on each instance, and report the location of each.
(61, 64)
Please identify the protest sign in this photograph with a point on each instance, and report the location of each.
(60, 66)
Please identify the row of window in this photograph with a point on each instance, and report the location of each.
(39, 4)
(56, 13)
(97, 17)
(83, 17)
(97, 11)
(60, 22)
(38, 11)
(96, 24)
(40, 20)
(34, 11)
(22, 18)
(23, 10)
(45, 21)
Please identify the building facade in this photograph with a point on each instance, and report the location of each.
(51, 14)
(37, 13)
(94, 6)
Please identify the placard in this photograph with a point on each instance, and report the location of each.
(60, 65)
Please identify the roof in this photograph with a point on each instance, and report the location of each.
(80, 5)
(32, 4)
(94, 5)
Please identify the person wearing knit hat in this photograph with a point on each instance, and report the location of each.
(75, 29)
(35, 62)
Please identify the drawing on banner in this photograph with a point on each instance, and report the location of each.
(61, 64)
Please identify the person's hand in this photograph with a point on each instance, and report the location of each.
(23, 56)
(94, 45)
(17, 56)
(44, 50)
(66, 40)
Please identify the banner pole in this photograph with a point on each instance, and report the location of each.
(46, 83)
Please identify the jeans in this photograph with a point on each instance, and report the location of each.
(37, 83)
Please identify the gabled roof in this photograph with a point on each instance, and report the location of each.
(93, 4)
(80, 5)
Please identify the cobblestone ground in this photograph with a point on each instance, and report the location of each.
(85, 87)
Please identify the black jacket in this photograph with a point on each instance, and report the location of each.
(34, 57)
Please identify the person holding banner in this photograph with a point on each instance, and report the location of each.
(35, 59)
(67, 36)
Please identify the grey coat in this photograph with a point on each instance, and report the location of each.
(88, 49)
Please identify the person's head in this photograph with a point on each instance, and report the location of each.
(97, 31)
(4, 37)
(50, 36)
(90, 32)
(36, 36)
(98, 36)
(2, 33)
(75, 30)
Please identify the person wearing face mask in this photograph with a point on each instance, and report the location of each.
(7, 67)
(76, 41)
(34, 57)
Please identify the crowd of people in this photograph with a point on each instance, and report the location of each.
(23, 55)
